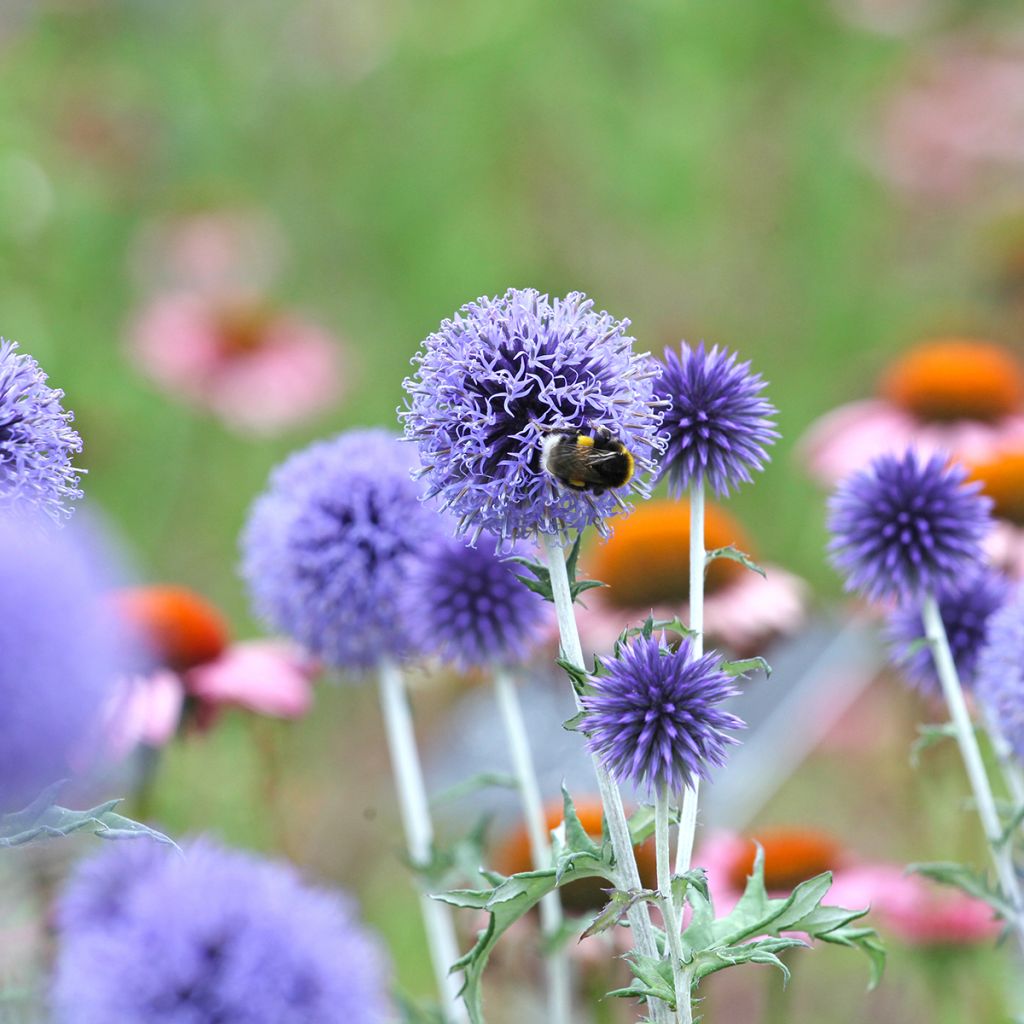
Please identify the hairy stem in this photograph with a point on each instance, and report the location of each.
(419, 834)
(627, 874)
(557, 964)
(671, 912)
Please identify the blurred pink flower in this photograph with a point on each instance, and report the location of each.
(958, 118)
(909, 907)
(146, 711)
(958, 395)
(257, 369)
(269, 677)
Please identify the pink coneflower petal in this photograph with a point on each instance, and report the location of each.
(146, 710)
(266, 676)
(754, 608)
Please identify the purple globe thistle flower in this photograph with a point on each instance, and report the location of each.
(37, 440)
(654, 719)
(466, 605)
(719, 425)
(907, 524)
(966, 608)
(60, 658)
(999, 679)
(328, 546)
(217, 935)
(489, 383)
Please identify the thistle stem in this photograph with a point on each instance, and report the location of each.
(688, 812)
(419, 833)
(680, 980)
(551, 918)
(627, 875)
(1002, 855)
(1011, 770)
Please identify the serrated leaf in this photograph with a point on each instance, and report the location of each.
(648, 628)
(733, 554)
(42, 820)
(641, 823)
(968, 880)
(579, 677)
(763, 951)
(475, 783)
(745, 666)
(928, 736)
(577, 839)
(458, 862)
(653, 979)
(540, 581)
(867, 941)
(618, 906)
(1013, 823)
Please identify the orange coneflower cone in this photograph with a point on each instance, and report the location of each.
(646, 561)
(178, 626)
(950, 379)
(1002, 479)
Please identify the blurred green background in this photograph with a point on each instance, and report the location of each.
(701, 168)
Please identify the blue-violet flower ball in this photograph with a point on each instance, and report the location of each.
(966, 607)
(719, 425)
(218, 935)
(907, 524)
(61, 657)
(999, 679)
(492, 379)
(467, 606)
(37, 440)
(655, 719)
(328, 546)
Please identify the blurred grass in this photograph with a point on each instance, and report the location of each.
(699, 168)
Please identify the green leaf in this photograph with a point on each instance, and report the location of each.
(867, 941)
(745, 666)
(733, 554)
(641, 823)
(1013, 823)
(412, 1013)
(763, 951)
(540, 583)
(43, 820)
(653, 979)
(475, 783)
(579, 677)
(648, 628)
(966, 879)
(618, 906)
(929, 736)
(457, 862)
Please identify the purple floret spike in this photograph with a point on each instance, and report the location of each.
(719, 425)
(907, 525)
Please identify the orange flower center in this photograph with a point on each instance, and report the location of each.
(513, 856)
(180, 627)
(646, 561)
(791, 856)
(1002, 478)
(956, 379)
(242, 327)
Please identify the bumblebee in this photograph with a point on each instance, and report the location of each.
(594, 460)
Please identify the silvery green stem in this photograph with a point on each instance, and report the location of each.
(1002, 855)
(688, 813)
(627, 874)
(1009, 765)
(419, 833)
(557, 962)
(680, 980)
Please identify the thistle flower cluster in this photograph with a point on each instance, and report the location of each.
(37, 441)
(492, 379)
(655, 718)
(966, 608)
(719, 424)
(466, 605)
(215, 935)
(328, 546)
(999, 680)
(907, 524)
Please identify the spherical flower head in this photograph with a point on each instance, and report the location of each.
(500, 373)
(999, 680)
(60, 659)
(466, 605)
(328, 546)
(906, 524)
(966, 607)
(37, 440)
(719, 425)
(216, 935)
(655, 720)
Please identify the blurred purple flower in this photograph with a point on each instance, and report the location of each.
(999, 680)
(328, 547)
(216, 935)
(966, 607)
(502, 369)
(37, 440)
(719, 425)
(467, 606)
(654, 719)
(907, 524)
(60, 658)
